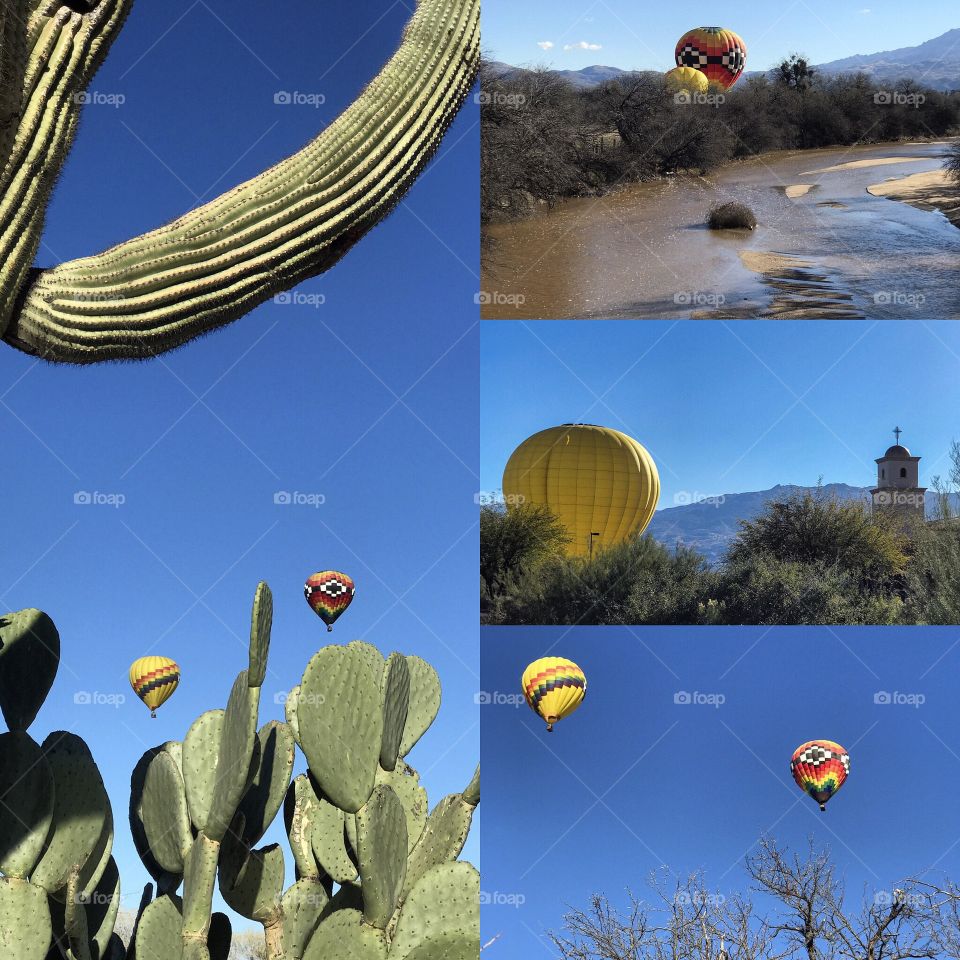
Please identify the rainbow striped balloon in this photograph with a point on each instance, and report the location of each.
(554, 687)
(329, 593)
(820, 768)
(154, 680)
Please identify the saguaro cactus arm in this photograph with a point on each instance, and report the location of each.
(160, 290)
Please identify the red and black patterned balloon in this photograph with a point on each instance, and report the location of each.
(329, 593)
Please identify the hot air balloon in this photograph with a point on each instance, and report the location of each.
(686, 80)
(554, 688)
(329, 593)
(820, 767)
(153, 680)
(719, 54)
(601, 484)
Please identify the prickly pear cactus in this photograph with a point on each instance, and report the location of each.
(377, 872)
(59, 886)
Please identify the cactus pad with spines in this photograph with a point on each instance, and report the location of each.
(382, 854)
(80, 810)
(201, 748)
(440, 918)
(164, 812)
(264, 796)
(29, 657)
(344, 935)
(424, 702)
(396, 703)
(158, 932)
(27, 802)
(238, 740)
(341, 722)
(261, 622)
(25, 927)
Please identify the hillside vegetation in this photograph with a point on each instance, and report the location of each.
(808, 559)
(544, 140)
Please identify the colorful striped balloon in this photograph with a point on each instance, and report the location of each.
(554, 688)
(718, 53)
(329, 593)
(154, 680)
(820, 768)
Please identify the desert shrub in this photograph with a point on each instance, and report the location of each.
(637, 582)
(764, 589)
(933, 576)
(732, 216)
(835, 533)
(512, 544)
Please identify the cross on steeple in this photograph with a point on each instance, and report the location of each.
(896, 432)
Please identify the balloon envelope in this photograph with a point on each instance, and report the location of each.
(329, 593)
(687, 79)
(154, 680)
(820, 768)
(718, 53)
(601, 484)
(554, 688)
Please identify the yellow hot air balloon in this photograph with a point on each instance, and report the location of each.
(687, 80)
(600, 483)
(153, 680)
(554, 688)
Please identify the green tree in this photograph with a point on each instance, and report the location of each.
(513, 543)
(813, 529)
(795, 72)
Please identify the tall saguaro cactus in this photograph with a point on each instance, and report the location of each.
(218, 262)
(357, 819)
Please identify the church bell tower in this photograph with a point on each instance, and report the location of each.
(898, 489)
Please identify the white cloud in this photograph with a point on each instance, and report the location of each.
(545, 44)
(582, 45)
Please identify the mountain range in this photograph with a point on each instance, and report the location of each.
(935, 63)
(709, 525)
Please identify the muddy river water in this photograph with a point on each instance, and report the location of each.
(645, 252)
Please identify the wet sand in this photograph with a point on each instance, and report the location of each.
(824, 246)
(933, 191)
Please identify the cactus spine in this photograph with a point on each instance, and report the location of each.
(357, 818)
(216, 263)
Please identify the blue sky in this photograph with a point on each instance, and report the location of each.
(728, 407)
(631, 36)
(634, 780)
(367, 399)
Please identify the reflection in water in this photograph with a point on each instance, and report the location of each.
(645, 252)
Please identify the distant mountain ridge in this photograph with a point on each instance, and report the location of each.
(709, 525)
(934, 63)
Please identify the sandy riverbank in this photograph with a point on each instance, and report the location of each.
(926, 191)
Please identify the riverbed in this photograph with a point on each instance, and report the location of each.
(824, 247)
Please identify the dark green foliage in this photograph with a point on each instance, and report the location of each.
(732, 216)
(805, 560)
(544, 140)
(813, 529)
(512, 543)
